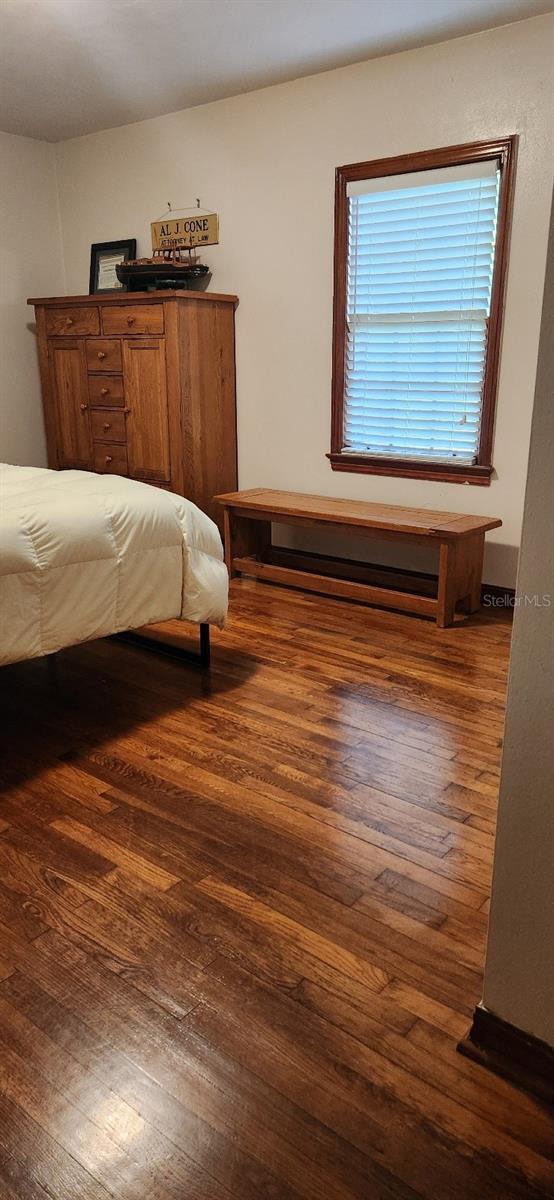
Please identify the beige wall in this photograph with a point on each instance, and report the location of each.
(266, 162)
(519, 974)
(30, 264)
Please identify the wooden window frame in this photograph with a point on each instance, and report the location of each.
(504, 150)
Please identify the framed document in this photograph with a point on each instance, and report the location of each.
(104, 257)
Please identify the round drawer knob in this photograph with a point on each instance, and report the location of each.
(83, 407)
(109, 458)
(104, 391)
(130, 320)
(107, 425)
(101, 354)
(69, 320)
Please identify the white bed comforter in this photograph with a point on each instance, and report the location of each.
(83, 556)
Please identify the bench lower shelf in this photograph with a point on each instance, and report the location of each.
(330, 585)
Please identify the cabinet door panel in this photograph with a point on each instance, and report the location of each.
(144, 375)
(69, 391)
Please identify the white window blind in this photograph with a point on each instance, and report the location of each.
(420, 264)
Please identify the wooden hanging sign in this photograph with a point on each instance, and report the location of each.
(198, 229)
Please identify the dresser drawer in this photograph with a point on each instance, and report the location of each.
(108, 425)
(104, 355)
(75, 321)
(106, 390)
(110, 459)
(133, 318)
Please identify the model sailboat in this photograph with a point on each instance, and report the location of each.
(174, 262)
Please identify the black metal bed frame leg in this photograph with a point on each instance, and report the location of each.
(200, 658)
(52, 668)
(205, 648)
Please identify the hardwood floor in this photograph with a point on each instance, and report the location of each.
(243, 917)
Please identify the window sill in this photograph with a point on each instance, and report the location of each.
(365, 464)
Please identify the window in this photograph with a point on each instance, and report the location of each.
(420, 263)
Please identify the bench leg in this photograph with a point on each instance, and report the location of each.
(474, 571)
(244, 536)
(228, 542)
(460, 572)
(446, 599)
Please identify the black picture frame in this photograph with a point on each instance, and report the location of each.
(98, 250)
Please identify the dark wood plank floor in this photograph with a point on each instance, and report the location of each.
(242, 918)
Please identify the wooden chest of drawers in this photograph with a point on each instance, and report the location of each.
(142, 384)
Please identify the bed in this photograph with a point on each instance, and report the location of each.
(83, 556)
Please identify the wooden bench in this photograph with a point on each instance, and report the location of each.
(460, 540)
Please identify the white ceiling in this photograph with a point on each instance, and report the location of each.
(70, 67)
